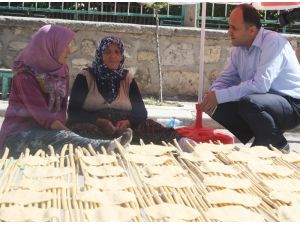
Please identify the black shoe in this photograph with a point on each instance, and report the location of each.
(285, 149)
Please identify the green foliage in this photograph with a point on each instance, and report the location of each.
(157, 6)
(152, 101)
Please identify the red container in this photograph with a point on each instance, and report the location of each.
(204, 134)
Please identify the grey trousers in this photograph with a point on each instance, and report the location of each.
(40, 138)
(262, 116)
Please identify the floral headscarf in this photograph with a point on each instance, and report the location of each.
(108, 81)
(40, 58)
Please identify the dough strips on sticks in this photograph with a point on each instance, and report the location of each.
(270, 169)
(227, 196)
(147, 159)
(285, 196)
(218, 167)
(28, 214)
(261, 152)
(246, 157)
(42, 184)
(25, 197)
(214, 148)
(289, 213)
(172, 211)
(197, 156)
(106, 197)
(164, 169)
(105, 170)
(46, 171)
(157, 150)
(37, 161)
(98, 159)
(227, 182)
(164, 180)
(292, 157)
(233, 214)
(111, 213)
(285, 184)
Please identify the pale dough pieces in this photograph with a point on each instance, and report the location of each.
(214, 148)
(285, 196)
(25, 197)
(292, 157)
(46, 171)
(98, 159)
(197, 156)
(289, 213)
(111, 213)
(28, 214)
(286, 184)
(228, 196)
(150, 149)
(106, 197)
(218, 167)
(109, 183)
(261, 152)
(173, 211)
(37, 160)
(164, 180)
(105, 170)
(42, 184)
(270, 169)
(170, 170)
(227, 182)
(147, 159)
(233, 214)
(245, 157)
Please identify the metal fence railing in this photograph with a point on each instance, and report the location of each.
(136, 13)
(122, 12)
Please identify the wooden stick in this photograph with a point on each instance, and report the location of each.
(63, 190)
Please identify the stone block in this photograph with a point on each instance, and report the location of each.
(172, 56)
(212, 54)
(88, 47)
(17, 45)
(80, 62)
(146, 56)
(180, 82)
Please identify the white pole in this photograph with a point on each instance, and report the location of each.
(201, 55)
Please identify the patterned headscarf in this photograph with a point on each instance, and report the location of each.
(40, 58)
(108, 81)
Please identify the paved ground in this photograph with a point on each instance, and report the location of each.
(186, 113)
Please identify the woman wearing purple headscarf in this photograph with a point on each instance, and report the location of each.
(36, 114)
(105, 100)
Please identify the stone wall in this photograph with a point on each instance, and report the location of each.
(179, 49)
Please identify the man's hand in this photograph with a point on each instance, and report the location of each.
(122, 125)
(209, 103)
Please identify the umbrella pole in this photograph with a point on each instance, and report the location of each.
(201, 67)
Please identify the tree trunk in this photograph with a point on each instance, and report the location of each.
(158, 57)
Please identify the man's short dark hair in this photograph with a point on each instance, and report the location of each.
(250, 15)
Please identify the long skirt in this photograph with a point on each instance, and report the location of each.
(148, 130)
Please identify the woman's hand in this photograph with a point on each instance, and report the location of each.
(106, 126)
(57, 125)
(121, 126)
